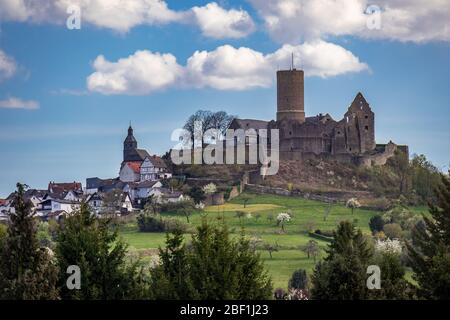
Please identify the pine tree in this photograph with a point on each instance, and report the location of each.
(171, 279)
(92, 244)
(342, 274)
(430, 255)
(212, 267)
(394, 286)
(26, 270)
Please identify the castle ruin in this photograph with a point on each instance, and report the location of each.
(349, 140)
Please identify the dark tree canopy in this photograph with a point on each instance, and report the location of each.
(430, 255)
(342, 275)
(92, 244)
(219, 120)
(26, 270)
(214, 266)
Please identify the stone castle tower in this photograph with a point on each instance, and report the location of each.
(290, 95)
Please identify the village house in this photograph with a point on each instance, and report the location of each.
(57, 206)
(54, 187)
(138, 165)
(101, 203)
(94, 185)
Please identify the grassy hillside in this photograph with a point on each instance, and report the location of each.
(306, 214)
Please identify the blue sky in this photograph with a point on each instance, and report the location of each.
(56, 125)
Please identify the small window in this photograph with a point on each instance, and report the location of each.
(367, 117)
(290, 133)
(367, 128)
(350, 149)
(339, 132)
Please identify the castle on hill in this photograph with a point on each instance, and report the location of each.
(349, 140)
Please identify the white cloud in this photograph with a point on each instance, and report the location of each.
(294, 21)
(17, 103)
(7, 66)
(122, 16)
(216, 22)
(319, 58)
(140, 73)
(225, 68)
(118, 15)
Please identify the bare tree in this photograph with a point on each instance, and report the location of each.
(271, 248)
(311, 249)
(209, 120)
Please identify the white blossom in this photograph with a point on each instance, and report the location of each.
(283, 217)
(200, 206)
(210, 188)
(388, 246)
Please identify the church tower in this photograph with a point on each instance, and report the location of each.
(129, 146)
(290, 95)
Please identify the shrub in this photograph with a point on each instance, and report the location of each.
(170, 225)
(376, 223)
(326, 233)
(299, 280)
(197, 194)
(393, 230)
(279, 294)
(150, 223)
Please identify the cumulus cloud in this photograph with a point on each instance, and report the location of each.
(216, 22)
(122, 16)
(228, 68)
(294, 21)
(225, 68)
(141, 73)
(7, 66)
(319, 58)
(17, 103)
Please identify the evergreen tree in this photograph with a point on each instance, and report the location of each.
(299, 280)
(91, 244)
(197, 194)
(342, 274)
(171, 279)
(394, 286)
(430, 255)
(212, 267)
(26, 270)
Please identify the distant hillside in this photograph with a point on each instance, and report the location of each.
(413, 180)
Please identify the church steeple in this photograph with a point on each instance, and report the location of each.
(129, 145)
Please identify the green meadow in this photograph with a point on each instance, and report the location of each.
(259, 222)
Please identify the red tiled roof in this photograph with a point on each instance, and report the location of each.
(64, 187)
(134, 165)
(2, 202)
(158, 161)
